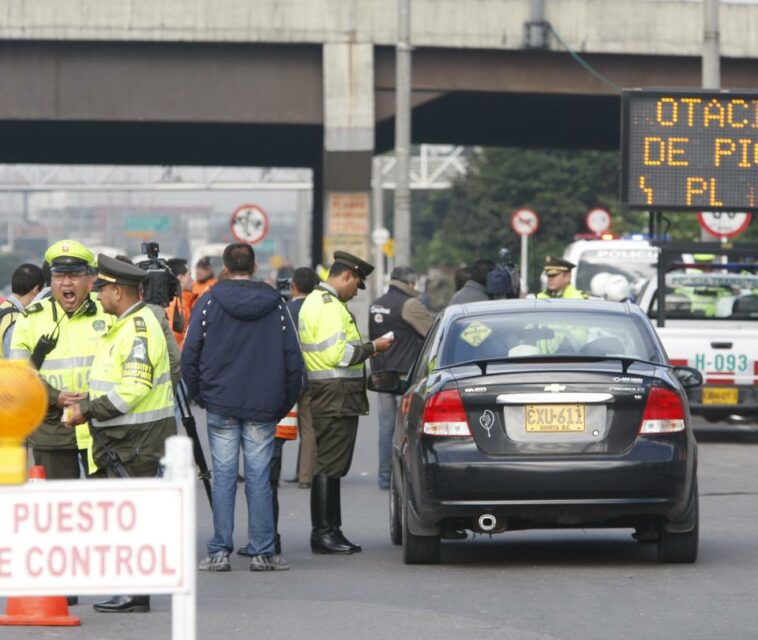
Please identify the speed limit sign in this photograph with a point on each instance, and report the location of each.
(249, 223)
(723, 224)
(598, 220)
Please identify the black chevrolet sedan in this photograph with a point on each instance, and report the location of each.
(532, 414)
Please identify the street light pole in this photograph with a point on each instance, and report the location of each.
(711, 46)
(402, 231)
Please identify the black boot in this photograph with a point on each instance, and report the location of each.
(124, 604)
(323, 537)
(335, 504)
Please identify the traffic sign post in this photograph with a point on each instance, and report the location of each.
(524, 223)
(724, 224)
(249, 224)
(598, 220)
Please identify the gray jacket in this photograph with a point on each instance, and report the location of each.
(472, 291)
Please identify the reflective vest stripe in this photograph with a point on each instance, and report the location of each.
(136, 418)
(117, 401)
(68, 363)
(106, 386)
(18, 354)
(330, 374)
(325, 344)
(347, 356)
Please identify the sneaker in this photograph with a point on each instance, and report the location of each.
(218, 561)
(268, 563)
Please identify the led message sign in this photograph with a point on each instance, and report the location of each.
(689, 150)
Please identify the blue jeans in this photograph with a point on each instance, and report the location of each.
(388, 404)
(224, 435)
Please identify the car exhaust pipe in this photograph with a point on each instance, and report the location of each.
(487, 522)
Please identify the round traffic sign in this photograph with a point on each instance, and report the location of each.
(249, 223)
(724, 224)
(525, 222)
(379, 236)
(598, 220)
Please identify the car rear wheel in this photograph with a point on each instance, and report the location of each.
(418, 549)
(680, 547)
(396, 521)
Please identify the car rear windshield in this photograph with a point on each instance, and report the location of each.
(559, 333)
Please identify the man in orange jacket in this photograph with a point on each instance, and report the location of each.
(179, 267)
(204, 278)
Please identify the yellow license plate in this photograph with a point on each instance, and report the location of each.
(554, 418)
(720, 395)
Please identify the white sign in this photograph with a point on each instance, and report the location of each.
(380, 236)
(93, 537)
(598, 220)
(249, 224)
(525, 222)
(724, 224)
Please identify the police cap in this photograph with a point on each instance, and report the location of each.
(112, 271)
(361, 268)
(555, 265)
(69, 255)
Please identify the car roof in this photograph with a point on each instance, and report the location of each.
(556, 305)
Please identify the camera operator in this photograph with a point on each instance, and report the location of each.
(503, 281)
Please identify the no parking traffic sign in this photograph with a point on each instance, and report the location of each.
(249, 223)
(525, 222)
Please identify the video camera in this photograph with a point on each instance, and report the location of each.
(503, 281)
(284, 286)
(161, 285)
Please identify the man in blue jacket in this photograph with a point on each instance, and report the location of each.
(241, 362)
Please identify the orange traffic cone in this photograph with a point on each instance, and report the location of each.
(43, 611)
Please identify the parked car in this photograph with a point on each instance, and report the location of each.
(524, 414)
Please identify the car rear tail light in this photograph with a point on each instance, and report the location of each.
(444, 415)
(664, 412)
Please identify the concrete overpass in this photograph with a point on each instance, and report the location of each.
(311, 82)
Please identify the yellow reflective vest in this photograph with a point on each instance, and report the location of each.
(333, 355)
(570, 292)
(130, 383)
(563, 339)
(66, 367)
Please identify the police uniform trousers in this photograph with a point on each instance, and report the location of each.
(306, 459)
(140, 448)
(60, 464)
(335, 441)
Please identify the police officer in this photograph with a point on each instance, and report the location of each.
(334, 355)
(558, 273)
(400, 312)
(61, 335)
(131, 403)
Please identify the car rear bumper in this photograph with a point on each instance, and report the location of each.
(746, 405)
(654, 478)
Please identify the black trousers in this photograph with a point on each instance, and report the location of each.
(275, 473)
(335, 442)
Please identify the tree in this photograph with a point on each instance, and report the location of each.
(472, 219)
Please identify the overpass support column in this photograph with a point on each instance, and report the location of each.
(348, 80)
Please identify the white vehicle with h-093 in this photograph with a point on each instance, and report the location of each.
(709, 321)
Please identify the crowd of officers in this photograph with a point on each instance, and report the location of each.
(111, 363)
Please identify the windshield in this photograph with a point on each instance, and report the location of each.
(526, 334)
(636, 265)
(715, 294)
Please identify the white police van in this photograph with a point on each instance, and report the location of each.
(633, 258)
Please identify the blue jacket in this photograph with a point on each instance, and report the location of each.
(241, 357)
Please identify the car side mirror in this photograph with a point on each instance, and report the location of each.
(688, 376)
(387, 382)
